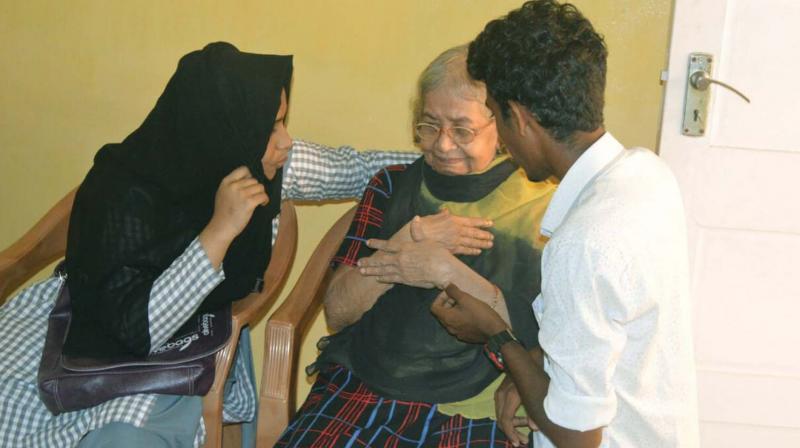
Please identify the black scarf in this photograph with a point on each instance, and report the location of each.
(145, 199)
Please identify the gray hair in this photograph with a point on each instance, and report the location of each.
(449, 69)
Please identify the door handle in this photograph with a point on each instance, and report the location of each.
(695, 110)
(701, 80)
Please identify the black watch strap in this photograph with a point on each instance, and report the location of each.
(494, 344)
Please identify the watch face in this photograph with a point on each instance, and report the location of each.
(492, 347)
(495, 357)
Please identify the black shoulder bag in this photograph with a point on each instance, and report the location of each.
(184, 365)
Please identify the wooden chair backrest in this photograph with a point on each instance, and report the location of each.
(284, 332)
(248, 311)
(41, 245)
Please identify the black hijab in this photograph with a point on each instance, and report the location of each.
(145, 199)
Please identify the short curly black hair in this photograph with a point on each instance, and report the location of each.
(547, 57)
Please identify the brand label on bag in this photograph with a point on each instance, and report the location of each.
(180, 344)
(204, 327)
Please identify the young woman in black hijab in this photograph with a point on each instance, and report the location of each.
(175, 219)
(201, 166)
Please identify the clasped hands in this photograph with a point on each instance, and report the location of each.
(421, 254)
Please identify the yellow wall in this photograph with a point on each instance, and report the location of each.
(75, 75)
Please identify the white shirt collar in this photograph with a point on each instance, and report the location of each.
(584, 170)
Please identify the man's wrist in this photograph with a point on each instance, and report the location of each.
(495, 343)
(497, 326)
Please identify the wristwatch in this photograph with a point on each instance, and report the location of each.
(492, 347)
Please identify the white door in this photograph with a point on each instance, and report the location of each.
(741, 186)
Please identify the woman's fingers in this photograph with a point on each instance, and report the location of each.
(520, 421)
(476, 233)
(475, 243)
(253, 192)
(466, 250)
(381, 274)
(245, 182)
(375, 271)
(384, 245)
(236, 198)
(460, 234)
(474, 222)
(239, 173)
(506, 403)
(416, 229)
(252, 189)
(389, 279)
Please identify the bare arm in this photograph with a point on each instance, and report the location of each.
(427, 264)
(463, 277)
(180, 289)
(238, 195)
(471, 321)
(317, 172)
(349, 296)
(532, 382)
(351, 293)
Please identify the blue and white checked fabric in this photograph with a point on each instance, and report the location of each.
(24, 420)
(178, 292)
(312, 172)
(315, 172)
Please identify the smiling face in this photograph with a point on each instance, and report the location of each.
(444, 108)
(279, 143)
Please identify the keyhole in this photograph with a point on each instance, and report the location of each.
(696, 115)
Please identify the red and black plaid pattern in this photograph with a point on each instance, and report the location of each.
(368, 219)
(341, 411)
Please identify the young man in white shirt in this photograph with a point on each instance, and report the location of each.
(615, 367)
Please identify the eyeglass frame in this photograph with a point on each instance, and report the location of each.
(448, 130)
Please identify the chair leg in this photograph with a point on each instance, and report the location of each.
(231, 436)
(212, 418)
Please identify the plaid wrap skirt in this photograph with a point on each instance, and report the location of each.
(341, 411)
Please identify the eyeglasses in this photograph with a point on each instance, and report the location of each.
(461, 135)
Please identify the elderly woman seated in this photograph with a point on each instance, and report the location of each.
(391, 374)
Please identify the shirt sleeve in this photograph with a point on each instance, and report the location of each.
(315, 172)
(368, 219)
(178, 292)
(582, 312)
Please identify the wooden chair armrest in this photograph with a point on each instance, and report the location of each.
(283, 334)
(43, 244)
(251, 308)
(245, 312)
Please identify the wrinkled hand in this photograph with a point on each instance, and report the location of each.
(459, 234)
(238, 195)
(506, 404)
(466, 317)
(423, 264)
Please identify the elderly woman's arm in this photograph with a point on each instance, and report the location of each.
(349, 296)
(427, 264)
(316, 172)
(351, 293)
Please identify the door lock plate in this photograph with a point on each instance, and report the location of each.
(695, 110)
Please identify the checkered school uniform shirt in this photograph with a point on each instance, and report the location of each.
(312, 172)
